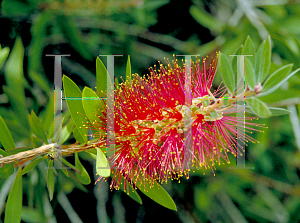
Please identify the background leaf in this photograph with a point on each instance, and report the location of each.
(3, 55)
(38, 128)
(6, 138)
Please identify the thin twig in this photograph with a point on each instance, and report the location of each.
(50, 150)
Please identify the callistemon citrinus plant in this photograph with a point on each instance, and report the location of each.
(151, 124)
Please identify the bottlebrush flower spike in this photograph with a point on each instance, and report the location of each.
(151, 127)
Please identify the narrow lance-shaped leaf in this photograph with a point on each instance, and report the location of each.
(70, 165)
(249, 73)
(50, 179)
(31, 165)
(5, 136)
(74, 101)
(102, 165)
(74, 35)
(227, 73)
(67, 130)
(3, 55)
(13, 207)
(279, 111)
(18, 105)
(101, 76)
(235, 58)
(265, 62)
(128, 70)
(158, 194)
(258, 107)
(84, 177)
(7, 169)
(38, 128)
(78, 136)
(249, 49)
(258, 57)
(91, 104)
(15, 81)
(274, 111)
(130, 191)
(277, 78)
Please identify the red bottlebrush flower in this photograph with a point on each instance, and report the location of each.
(154, 139)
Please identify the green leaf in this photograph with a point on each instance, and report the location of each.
(77, 136)
(18, 105)
(249, 49)
(6, 138)
(67, 130)
(102, 166)
(7, 169)
(14, 202)
(16, 8)
(249, 73)
(31, 165)
(101, 76)
(50, 179)
(277, 78)
(299, 110)
(40, 80)
(3, 55)
(235, 58)
(279, 111)
(206, 19)
(117, 83)
(128, 70)
(70, 165)
(258, 107)
(274, 111)
(227, 73)
(265, 62)
(130, 191)
(48, 114)
(84, 177)
(91, 104)
(13, 70)
(75, 106)
(258, 58)
(73, 34)
(15, 81)
(31, 215)
(39, 33)
(37, 127)
(158, 194)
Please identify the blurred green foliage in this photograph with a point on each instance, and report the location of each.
(147, 31)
